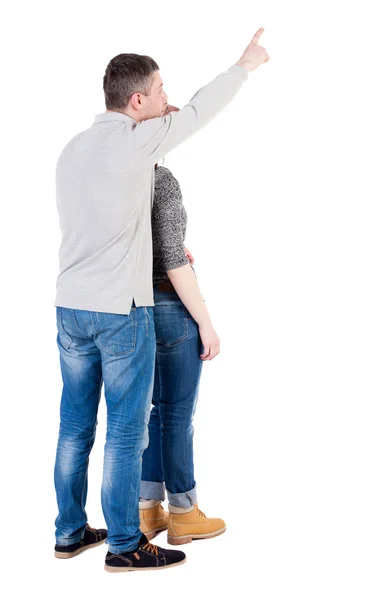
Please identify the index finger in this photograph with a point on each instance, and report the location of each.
(257, 35)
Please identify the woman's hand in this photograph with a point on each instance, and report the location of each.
(210, 341)
(189, 255)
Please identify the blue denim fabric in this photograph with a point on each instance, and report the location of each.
(168, 460)
(119, 351)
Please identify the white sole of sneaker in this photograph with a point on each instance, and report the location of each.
(79, 551)
(124, 569)
(187, 539)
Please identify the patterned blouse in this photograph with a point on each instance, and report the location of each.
(169, 223)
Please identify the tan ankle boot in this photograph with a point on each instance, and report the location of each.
(183, 527)
(153, 520)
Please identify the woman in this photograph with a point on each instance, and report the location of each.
(185, 337)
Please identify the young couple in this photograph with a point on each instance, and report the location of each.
(122, 219)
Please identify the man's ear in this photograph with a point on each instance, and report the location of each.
(136, 101)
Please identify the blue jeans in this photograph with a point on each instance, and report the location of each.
(168, 460)
(119, 351)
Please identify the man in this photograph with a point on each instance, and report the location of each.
(105, 184)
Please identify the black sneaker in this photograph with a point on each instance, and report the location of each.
(93, 537)
(145, 557)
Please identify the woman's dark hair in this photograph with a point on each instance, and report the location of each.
(125, 75)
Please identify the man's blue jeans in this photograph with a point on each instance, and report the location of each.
(119, 351)
(168, 460)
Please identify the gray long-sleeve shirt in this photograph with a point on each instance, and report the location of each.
(169, 224)
(105, 191)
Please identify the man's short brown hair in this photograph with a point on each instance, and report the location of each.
(125, 75)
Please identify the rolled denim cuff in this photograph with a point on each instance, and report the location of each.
(183, 500)
(121, 549)
(152, 490)
(69, 542)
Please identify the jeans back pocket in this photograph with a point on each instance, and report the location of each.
(117, 332)
(171, 322)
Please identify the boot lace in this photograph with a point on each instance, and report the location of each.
(151, 548)
(203, 515)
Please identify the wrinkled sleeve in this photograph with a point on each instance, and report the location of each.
(154, 138)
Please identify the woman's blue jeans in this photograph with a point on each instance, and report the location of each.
(119, 351)
(168, 460)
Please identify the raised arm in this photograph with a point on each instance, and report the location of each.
(156, 137)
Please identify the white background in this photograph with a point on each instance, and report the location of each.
(282, 192)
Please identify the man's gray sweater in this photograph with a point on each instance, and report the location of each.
(105, 191)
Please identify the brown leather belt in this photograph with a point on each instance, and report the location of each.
(165, 286)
